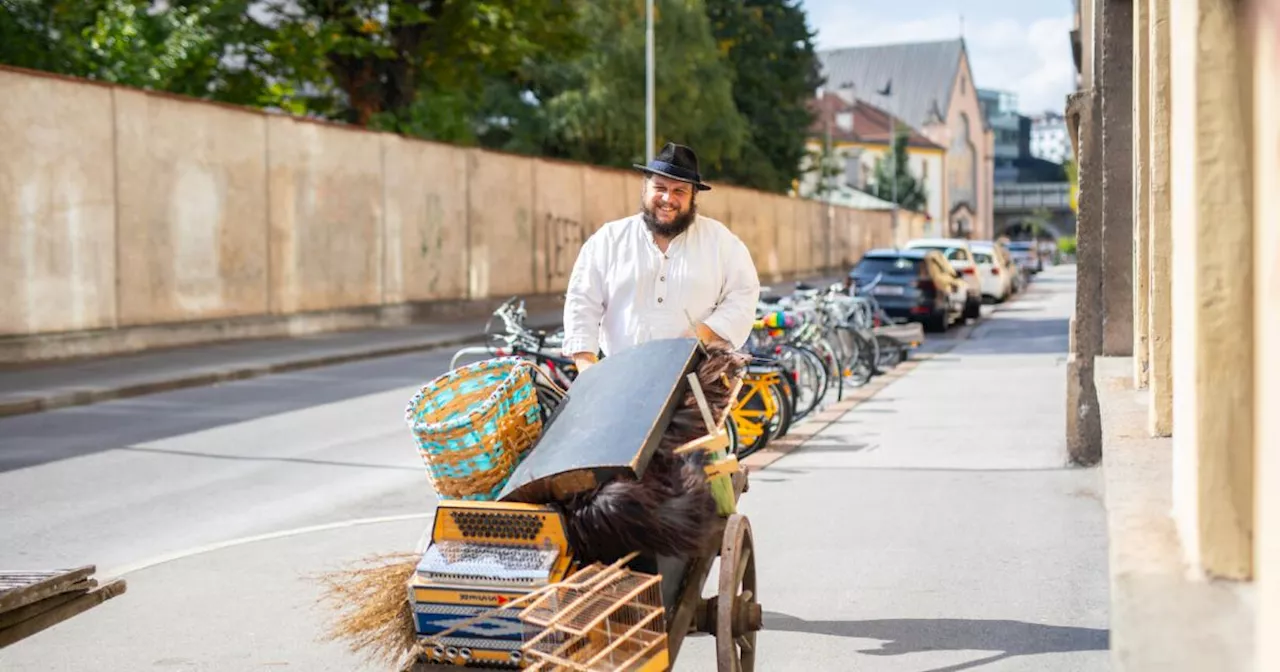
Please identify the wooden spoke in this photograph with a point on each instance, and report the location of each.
(737, 612)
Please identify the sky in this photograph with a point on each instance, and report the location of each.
(1021, 46)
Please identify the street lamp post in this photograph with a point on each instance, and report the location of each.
(648, 82)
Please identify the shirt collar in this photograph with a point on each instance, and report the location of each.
(677, 242)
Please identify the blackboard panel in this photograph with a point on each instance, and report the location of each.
(610, 423)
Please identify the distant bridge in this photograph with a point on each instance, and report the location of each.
(1016, 204)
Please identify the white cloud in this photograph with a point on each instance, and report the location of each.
(1030, 58)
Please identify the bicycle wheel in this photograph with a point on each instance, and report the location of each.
(892, 353)
(732, 430)
(809, 378)
(751, 413)
(864, 367)
(780, 423)
(786, 402)
(831, 360)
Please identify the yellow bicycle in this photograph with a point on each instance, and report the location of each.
(763, 409)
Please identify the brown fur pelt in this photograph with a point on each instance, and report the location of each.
(669, 509)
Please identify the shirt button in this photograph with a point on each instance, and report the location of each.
(662, 278)
(659, 299)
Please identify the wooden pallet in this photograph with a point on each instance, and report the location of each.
(37, 600)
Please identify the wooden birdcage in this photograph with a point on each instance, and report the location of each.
(603, 618)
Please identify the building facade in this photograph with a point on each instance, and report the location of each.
(930, 87)
(857, 135)
(1049, 138)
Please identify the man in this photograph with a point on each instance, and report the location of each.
(646, 277)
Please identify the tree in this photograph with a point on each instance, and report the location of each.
(592, 108)
(209, 48)
(893, 170)
(824, 167)
(421, 67)
(775, 73)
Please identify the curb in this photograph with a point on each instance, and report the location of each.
(37, 403)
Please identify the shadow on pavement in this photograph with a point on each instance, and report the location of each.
(915, 635)
(1020, 336)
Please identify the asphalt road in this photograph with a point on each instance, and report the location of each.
(933, 529)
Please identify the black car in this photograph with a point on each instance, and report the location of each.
(918, 284)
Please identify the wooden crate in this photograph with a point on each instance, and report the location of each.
(33, 601)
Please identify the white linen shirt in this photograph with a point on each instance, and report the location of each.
(624, 291)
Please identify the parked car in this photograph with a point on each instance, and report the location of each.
(958, 253)
(918, 284)
(993, 271)
(1027, 255)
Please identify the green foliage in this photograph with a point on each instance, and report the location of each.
(769, 47)
(893, 170)
(418, 66)
(823, 166)
(210, 49)
(1067, 245)
(593, 107)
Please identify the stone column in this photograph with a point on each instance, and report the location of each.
(1141, 200)
(1160, 240)
(1116, 90)
(1266, 329)
(1212, 185)
(1084, 422)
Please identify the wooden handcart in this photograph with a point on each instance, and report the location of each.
(731, 614)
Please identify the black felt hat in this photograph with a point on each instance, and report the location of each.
(678, 163)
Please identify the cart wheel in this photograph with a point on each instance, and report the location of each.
(738, 614)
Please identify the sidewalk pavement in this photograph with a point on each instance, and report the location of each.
(41, 387)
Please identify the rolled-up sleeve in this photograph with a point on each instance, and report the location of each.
(584, 302)
(736, 312)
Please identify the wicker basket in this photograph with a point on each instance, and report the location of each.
(474, 424)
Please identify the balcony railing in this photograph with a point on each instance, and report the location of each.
(1051, 195)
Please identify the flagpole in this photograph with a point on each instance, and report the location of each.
(648, 83)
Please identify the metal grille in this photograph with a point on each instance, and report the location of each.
(485, 524)
(476, 561)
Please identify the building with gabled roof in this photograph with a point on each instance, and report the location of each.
(930, 87)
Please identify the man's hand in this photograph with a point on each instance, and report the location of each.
(584, 360)
(708, 337)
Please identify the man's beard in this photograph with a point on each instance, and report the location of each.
(677, 226)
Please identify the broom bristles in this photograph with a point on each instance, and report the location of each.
(372, 602)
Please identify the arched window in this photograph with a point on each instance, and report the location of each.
(962, 170)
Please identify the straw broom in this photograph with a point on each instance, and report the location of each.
(372, 605)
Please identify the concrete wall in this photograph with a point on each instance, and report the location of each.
(122, 209)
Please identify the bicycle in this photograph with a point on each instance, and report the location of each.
(521, 341)
(763, 410)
